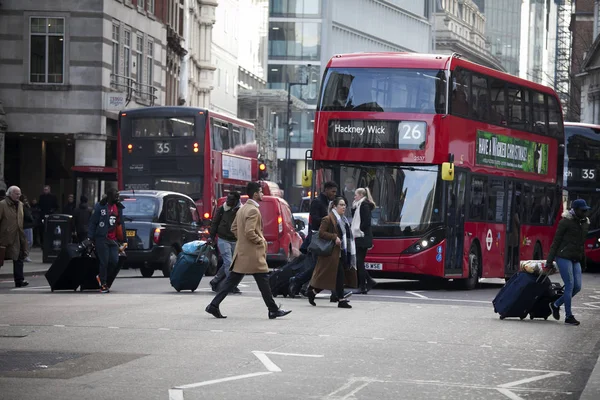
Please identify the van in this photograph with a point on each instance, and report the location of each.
(279, 228)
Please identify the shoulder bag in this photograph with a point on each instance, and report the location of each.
(319, 246)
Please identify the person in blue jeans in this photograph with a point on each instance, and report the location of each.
(568, 249)
(221, 227)
(106, 230)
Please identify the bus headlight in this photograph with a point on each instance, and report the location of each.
(426, 242)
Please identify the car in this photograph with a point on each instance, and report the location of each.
(157, 224)
(279, 228)
(302, 216)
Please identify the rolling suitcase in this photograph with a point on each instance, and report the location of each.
(541, 308)
(92, 269)
(279, 280)
(518, 296)
(67, 270)
(190, 266)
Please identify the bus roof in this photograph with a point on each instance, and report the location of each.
(182, 110)
(582, 124)
(424, 61)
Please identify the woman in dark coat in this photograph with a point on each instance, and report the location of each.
(338, 268)
(362, 207)
(568, 249)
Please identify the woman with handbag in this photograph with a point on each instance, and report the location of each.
(361, 230)
(338, 266)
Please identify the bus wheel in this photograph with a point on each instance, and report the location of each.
(474, 269)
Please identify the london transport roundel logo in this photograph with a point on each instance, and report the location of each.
(489, 239)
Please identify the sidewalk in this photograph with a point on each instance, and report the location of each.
(35, 267)
(592, 387)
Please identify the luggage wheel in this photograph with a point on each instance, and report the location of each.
(531, 317)
(546, 319)
(274, 295)
(502, 317)
(178, 290)
(193, 290)
(522, 317)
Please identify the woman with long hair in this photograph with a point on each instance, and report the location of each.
(362, 207)
(338, 268)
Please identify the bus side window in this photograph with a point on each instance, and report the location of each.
(540, 122)
(498, 115)
(216, 136)
(495, 209)
(477, 198)
(555, 117)
(479, 98)
(461, 91)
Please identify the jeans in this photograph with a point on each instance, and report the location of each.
(29, 236)
(226, 248)
(234, 279)
(108, 257)
(570, 272)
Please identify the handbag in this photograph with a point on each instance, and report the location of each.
(320, 247)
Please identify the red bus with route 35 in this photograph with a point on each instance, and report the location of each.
(582, 177)
(188, 150)
(462, 161)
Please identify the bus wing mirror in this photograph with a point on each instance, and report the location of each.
(448, 171)
(307, 178)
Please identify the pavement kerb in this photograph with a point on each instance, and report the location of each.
(4, 274)
(592, 387)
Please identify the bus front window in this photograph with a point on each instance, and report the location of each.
(408, 200)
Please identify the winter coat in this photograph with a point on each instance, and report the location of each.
(28, 221)
(324, 275)
(221, 224)
(99, 222)
(569, 240)
(365, 209)
(250, 255)
(318, 210)
(48, 204)
(69, 208)
(81, 218)
(12, 235)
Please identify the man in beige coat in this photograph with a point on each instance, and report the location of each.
(250, 256)
(12, 235)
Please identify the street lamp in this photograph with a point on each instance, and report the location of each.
(289, 177)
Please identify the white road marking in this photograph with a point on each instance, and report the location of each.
(432, 342)
(486, 346)
(509, 394)
(346, 386)
(59, 326)
(414, 293)
(215, 381)
(270, 365)
(112, 327)
(546, 374)
(324, 335)
(175, 394)
(35, 288)
(216, 330)
(270, 333)
(164, 329)
(378, 338)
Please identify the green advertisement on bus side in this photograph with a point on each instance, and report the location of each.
(510, 153)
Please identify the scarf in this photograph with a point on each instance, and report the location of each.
(348, 253)
(356, 232)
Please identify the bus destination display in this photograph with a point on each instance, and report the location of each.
(378, 134)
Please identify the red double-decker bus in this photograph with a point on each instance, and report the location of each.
(582, 177)
(462, 161)
(188, 150)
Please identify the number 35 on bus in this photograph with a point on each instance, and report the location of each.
(462, 162)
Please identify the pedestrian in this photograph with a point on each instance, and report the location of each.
(362, 208)
(338, 268)
(28, 223)
(221, 226)
(48, 205)
(250, 255)
(81, 218)
(106, 230)
(37, 223)
(70, 207)
(319, 208)
(568, 248)
(12, 241)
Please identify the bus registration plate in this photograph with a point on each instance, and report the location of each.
(374, 266)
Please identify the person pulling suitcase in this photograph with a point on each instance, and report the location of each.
(105, 231)
(221, 227)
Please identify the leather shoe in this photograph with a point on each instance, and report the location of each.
(236, 291)
(214, 311)
(279, 313)
(344, 304)
(21, 284)
(310, 293)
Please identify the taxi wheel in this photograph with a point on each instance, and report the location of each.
(167, 267)
(147, 272)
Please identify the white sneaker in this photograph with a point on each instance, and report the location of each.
(27, 259)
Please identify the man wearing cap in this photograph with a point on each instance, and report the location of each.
(568, 249)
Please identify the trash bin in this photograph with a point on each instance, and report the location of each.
(58, 232)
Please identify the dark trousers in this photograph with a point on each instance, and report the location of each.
(234, 279)
(305, 275)
(108, 255)
(18, 271)
(338, 293)
(363, 275)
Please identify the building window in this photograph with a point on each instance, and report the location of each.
(127, 54)
(47, 50)
(115, 48)
(141, 4)
(150, 62)
(139, 63)
(151, 6)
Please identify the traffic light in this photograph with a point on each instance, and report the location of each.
(263, 174)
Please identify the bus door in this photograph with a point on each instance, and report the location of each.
(513, 229)
(455, 221)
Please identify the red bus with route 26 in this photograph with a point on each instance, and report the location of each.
(461, 159)
(188, 150)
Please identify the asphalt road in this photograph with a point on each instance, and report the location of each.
(404, 340)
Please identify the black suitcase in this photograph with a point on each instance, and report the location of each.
(521, 292)
(541, 308)
(67, 271)
(279, 280)
(92, 269)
